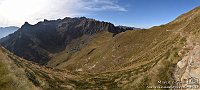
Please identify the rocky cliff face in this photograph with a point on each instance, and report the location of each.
(38, 42)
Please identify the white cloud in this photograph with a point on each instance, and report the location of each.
(16, 12)
(100, 5)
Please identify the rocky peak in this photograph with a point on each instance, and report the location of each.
(37, 42)
(26, 25)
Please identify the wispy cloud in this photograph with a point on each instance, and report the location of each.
(102, 5)
(16, 12)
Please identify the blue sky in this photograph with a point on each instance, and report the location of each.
(137, 13)
(147, 13)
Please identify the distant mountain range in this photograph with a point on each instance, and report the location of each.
(4, 31)
(128, 28)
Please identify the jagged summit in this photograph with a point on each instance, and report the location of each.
(37, 42)
(26, 24)
(81, 53)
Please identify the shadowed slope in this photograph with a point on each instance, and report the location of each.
(38, 42)
(132, 60)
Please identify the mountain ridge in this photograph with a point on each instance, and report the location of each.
(37, 42)
(131, 60)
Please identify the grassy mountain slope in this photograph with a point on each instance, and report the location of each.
(132, 60)
(125, 50)
(135, 59)
(126, 76)
(19, 74)
(12, 77)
